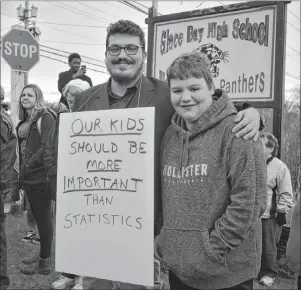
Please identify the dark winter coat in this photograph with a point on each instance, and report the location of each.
(32, 167)
(51, 153)
(8, 176)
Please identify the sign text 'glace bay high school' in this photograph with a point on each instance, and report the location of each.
(239, 46)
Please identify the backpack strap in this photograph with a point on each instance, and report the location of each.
(39, 121)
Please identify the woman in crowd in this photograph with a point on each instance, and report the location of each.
(69, 92)
(213, 187)
(32, 131)
(293, 246)
(279, 201)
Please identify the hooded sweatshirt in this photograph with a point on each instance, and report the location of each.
(213, 194)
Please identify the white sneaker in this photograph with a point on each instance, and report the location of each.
(78, 283)
(62, 283)
(267, 281)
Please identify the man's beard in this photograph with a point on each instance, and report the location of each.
(124, 79)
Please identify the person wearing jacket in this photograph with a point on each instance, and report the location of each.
(279, 201)
(293, 245)
(9, 171)
(6, 133)
(32, 131)
(76, 72)
(213, 187)
(70, 91)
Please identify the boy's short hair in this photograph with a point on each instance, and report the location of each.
(126, 27)
(72, 56)
(191, 65)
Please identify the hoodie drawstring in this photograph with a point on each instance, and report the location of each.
(184, 149)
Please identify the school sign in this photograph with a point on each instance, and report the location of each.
(239, 46)
(244, 42)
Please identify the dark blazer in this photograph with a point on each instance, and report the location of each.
(4, 137)
(50, 157)
(154, 93)
(64, 78)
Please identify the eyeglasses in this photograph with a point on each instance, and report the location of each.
(130, 49)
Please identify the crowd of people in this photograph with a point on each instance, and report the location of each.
(218, 232)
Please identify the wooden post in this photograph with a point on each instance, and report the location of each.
(26, 25)
(17, 84)
(279, 92)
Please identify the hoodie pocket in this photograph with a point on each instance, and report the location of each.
(189, 255)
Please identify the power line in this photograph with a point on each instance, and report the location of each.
(96, 9)
(132, 6)
(141, 4)
(93, 9)
(200, 4)
(67, 63)
(293, 49)
(293, 26)
(79, 25)
(74, 43)
(83, 61)
(293, 13)
(292, 76)
(79, 35)
(145, 6)
(90, 14)
(115, 6)
(67, 52)
(5, 28)
(74, 10)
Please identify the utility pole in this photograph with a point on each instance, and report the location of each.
(19, 79)
(26, 25)
(155, 7)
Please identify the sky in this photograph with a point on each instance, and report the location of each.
(85, 33)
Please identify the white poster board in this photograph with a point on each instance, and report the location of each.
(105, 195)
(239, 44)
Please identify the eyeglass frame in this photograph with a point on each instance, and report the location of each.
(123, 48)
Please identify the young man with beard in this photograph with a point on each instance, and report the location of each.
(128, 88)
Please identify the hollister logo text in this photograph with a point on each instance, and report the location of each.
(191, 173)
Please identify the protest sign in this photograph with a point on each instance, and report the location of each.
(239, 45)
(105, 195)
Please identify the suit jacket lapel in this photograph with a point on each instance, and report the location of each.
(101, 98)
(146, 94)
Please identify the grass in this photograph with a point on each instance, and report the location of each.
(17, 251)
(16, 227)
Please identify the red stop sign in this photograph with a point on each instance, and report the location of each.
(20, 49)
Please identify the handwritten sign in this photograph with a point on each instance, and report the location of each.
(105, 195)
(240, 46)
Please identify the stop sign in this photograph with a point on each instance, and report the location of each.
(20, 49)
